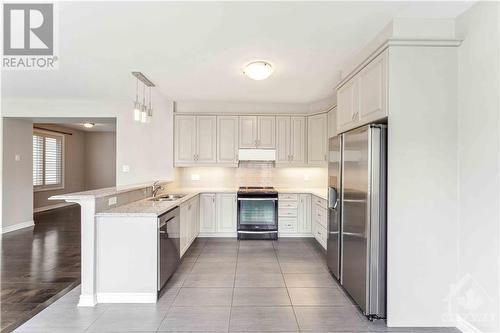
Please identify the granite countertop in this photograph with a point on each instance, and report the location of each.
(148, 208)
(102, 192)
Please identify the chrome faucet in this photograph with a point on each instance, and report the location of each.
(156, 187)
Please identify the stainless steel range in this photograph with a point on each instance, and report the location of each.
(257, 213)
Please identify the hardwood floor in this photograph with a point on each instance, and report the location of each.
(38, 265)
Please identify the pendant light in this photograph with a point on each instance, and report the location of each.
(144, 110)
(137, 105)
(150, 108)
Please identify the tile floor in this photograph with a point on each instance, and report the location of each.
(224, 285)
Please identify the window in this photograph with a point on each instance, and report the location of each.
(47, 161)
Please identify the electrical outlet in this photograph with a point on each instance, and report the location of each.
(195, 177)
(112, 201)
(125, 168)
(306, 177)
(17, 158)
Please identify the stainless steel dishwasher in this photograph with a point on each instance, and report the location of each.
(168, 245)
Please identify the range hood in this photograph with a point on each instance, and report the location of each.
(257, 155)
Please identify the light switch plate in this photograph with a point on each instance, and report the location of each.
(126, 168)
(112, 201)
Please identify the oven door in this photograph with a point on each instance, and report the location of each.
(257, 213)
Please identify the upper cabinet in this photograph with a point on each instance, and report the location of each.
(290, 141)
(195, 140)
(332, 122)
(363, 99)
(227, 140)
(257, 132)
(317, 139)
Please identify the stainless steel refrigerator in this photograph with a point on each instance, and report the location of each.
(357, 215)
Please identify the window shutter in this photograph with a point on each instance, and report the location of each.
(37, 160)
(47, 160)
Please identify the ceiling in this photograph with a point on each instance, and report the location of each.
(194, 51)
(100, 124)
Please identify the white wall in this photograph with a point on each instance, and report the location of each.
(479, 163)
(422, 228)
(145, 148)
(17, 187)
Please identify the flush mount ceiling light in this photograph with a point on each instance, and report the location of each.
(258, 70)
(88, 125)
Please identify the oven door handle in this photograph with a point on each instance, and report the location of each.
(258, 199)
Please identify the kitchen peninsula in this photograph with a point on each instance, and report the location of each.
(120, 232)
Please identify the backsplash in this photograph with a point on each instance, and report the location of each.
(250, 174)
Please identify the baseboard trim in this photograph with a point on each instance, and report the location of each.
(126, 297)
(17, 226)
(466, 327)
(54, 206)
(303, 235)
(217, 234)
(87, 300)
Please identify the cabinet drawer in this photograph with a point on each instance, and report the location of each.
(289, 197)
(321, 235)
(287, 204)
(321, 217)
(320, 202)
(287, 212)
(287, 225)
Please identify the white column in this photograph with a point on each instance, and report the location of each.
(88, 252)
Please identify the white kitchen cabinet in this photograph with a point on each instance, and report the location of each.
(226, 211)
(248, 131)
(363, 98)
(257, 132)
(185, 139)
(348, 105)
(304, 214)
(227, 140)
(195, 140)
(319, 220)
(189, 223)
(208, 215)
(266, 132)
(332, 122)
(372, 90)
(317, 139)
(206, 139)
(290, 141)
(282, 140)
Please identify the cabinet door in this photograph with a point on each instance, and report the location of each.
(185, 139)
(347, 105)
(195, 215)
(184, 228)
(248, 131)
(226, 212)
(332, 123)
(206, 142)
(316, 139)
(304, 213)
(227, 139)
(372, 90)
(266, 136)
(207, 212)
(298, 140)
(282, 140)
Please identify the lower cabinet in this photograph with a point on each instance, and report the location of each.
(294, 214)
(319, 219)
(218, 213)
(190, 223)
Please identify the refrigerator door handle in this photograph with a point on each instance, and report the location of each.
(332, 197)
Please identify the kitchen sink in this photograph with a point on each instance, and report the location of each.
(167, 197)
